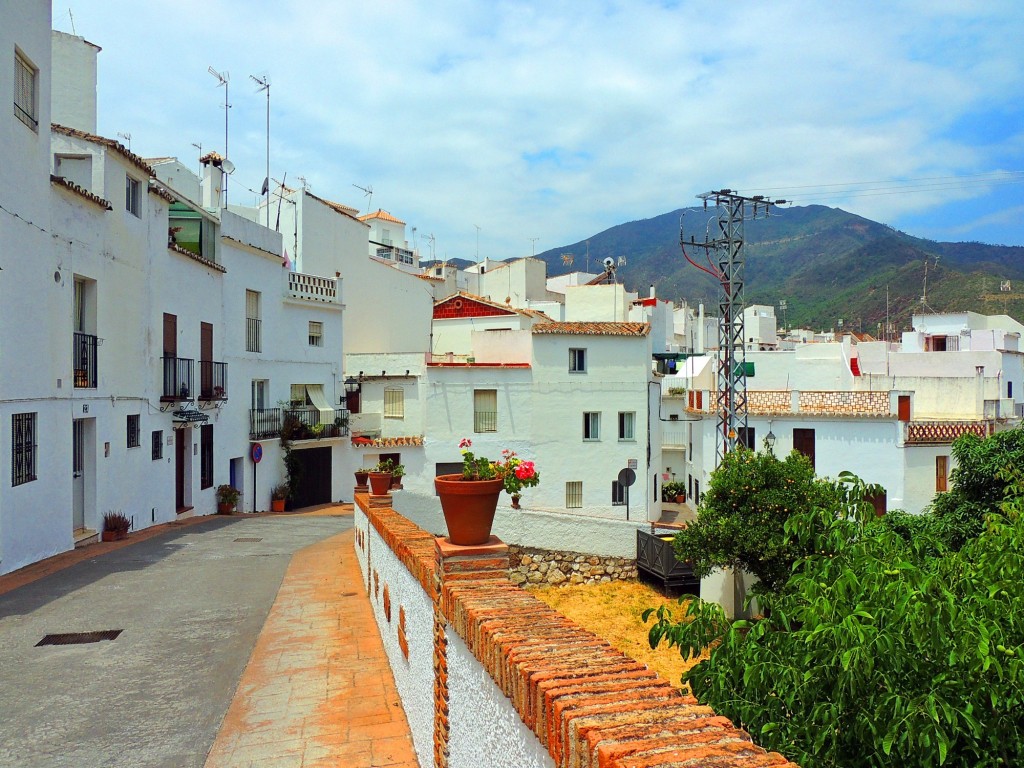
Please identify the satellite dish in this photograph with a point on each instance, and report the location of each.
(228, 166)
(609, 262)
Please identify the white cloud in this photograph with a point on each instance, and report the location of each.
(556, 121)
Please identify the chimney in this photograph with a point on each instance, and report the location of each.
(73, 81)
(212, 184)
(652, 290)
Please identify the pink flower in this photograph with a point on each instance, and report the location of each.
(525, 470)
(465, 443)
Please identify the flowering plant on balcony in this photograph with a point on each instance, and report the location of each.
(514, 472)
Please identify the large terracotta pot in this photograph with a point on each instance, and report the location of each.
(361, 477)
(468, 507)
(277, 505)
(380, 483)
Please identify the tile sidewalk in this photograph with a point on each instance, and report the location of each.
(318, 690)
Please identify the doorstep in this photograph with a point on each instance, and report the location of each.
(84, 537)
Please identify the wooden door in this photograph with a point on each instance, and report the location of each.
(180, 456)
(206, 359)
(803, 441)
(903, 408)
(170, 335)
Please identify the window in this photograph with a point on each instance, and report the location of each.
(574, 494)
(134, 434)
(747, 438)
(941, 474)
(592, 425)
(316, 334)
(803, 441)
(206, 456)
(158, 444)
(132, 197)
(260, 387)
(26, 101)
(253, 332)
(627, 425)
(577, 361)
(23, 448)
(394, 403)
(618, 494)
(485, 410)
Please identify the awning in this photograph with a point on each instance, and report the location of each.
(315, 393)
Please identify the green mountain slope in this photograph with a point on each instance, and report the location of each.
(826, 263)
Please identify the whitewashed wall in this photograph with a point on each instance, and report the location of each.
(74, 82)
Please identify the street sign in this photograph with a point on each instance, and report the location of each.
(256, 452)
(631, 463)
(627, 477)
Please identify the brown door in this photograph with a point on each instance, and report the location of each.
(180, 454)
(803, 441)
(903, 408)
(170, 335)
(206, 359)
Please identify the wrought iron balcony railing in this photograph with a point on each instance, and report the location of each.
(178, 379)
(297, 423)
(213, 380)
(485, 421)
(84, 360)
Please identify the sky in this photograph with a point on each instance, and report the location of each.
(502, 129)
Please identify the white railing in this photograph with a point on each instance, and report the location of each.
(313, 288)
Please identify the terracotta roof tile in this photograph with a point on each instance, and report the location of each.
(344, 210)
(117, 146)
(382, 215)
(533, 313)
(211, 157)
(81, 191)
(595, 329)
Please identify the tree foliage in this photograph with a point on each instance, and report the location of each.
(741, 518)
(880, 650)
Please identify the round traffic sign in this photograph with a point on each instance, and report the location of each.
(627, 477)
(256, 452)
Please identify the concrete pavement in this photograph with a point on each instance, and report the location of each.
(192, 604)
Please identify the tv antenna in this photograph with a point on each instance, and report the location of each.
(127, 138)
(567, 259)
(305, 182)
(533, 242)
(924, 292)
(264, 85)
(432, 240)
(368, 194)
(222, 79)
(725, 258)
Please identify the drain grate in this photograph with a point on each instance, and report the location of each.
(77, 638)
(249, 540)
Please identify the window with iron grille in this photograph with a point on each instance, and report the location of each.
(23, 448)
(577, 360)
(485, 410)
(574, 494)
(253, 332)
(627, 425)
(394, 403)
(132, 195)
(206, 456)
(26, 101)
(618, 494)
(158, 444)
(592, 425)
(316, 333)
(134, 433)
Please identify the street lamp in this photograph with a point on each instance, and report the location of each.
(769, 440)
(351, 385)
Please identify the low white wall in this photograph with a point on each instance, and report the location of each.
(484, 727)
(414, 677)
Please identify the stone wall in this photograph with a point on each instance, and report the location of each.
(529, 565)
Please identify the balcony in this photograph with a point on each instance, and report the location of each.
(213, 380)
(401, 255)
(324, 290)
(178, 379)
(297, 423)
(673, 437)
(944, 432)
(253, 334)
(84, 360)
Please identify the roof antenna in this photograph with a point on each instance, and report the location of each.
(368, 190)
(72, 17)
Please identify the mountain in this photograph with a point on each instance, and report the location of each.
(824, 262)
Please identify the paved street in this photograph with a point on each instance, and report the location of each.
(191, 604)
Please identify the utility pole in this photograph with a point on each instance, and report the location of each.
(264, 85)
(725, 260)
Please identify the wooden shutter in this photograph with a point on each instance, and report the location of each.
(170, 335)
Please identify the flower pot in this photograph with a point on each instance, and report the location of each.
(380, 483)
(113, 535)
(224, 508)
(361, 477)
(277, 505)
(396, 482)
(515, 502)
(681, 498)
(468, 507)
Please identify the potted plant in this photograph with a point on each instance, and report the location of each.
(362, 475)
(278, 495)
(469, 500)
(227, 499)
(380, 477)
(397, 473)
(115, 526)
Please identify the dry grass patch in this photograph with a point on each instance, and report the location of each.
(612, 611)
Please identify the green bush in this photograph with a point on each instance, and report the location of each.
(881, 650)
(741, 518)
